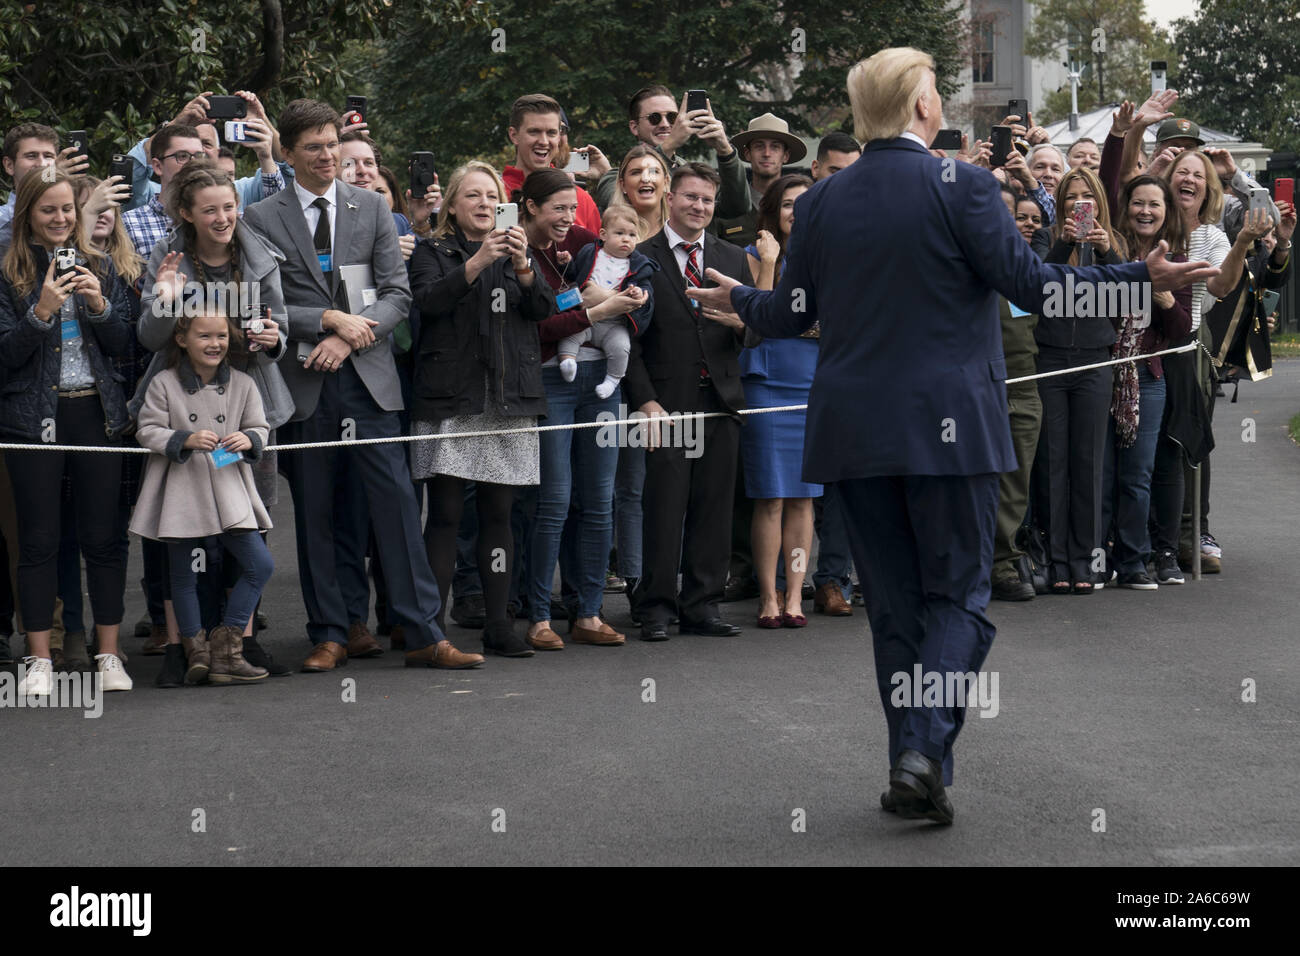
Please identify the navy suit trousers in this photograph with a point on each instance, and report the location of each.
(923, 546)
(382, 469)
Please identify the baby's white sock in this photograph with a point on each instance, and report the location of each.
(606, 388)
(568, 369)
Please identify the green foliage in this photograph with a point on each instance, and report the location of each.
(450, 91)
(1109, 38)
(1238, 71)
(118, 69)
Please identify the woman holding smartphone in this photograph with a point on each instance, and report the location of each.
(63, 319)
(477, 368)
(1075, 406)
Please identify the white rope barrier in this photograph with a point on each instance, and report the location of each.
(642, 420)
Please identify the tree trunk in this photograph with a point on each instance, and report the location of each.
(267, 73)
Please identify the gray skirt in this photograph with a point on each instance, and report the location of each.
(496, 459)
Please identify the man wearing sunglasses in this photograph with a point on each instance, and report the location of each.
(657, 120)
(170, 149)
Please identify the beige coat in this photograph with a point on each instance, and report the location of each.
(183, 493)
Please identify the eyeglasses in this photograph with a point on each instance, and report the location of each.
(692, 199)
(654, 118)
(314, 149)
(181, 156)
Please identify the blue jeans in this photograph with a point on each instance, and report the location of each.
(629, 480)
(1126, 478)
(574, 465)
(255, 566)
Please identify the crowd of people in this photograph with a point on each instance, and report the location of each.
(208, 318)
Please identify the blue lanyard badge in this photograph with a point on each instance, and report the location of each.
(568, 299)
(325, 260)
(70, 329)
(222, 457)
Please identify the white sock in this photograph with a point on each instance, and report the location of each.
(568, 369)
(606, 388)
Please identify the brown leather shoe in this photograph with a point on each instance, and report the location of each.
(829, 599)
(545, 640)
(327, 656)
(397, 639)
(442, 655)
(604, 636)
(156, 641)
(361, 643)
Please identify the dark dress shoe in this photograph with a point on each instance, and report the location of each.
(256, 655)
(740, 589)
(260, 622)
(1012, 589)
(500, 638)
(361, 643)
(918, 782)
(325, 657)
(713, 627)
(654, 632)
(469, 611)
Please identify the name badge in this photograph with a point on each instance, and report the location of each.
(568, 299)
(221, 457)
(1016, 311)
(70, 329)
(325, 260)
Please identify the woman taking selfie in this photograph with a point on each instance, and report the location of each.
(63, 318)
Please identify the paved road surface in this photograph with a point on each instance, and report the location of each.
(1126, 701)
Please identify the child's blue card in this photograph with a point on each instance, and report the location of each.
(222, 457)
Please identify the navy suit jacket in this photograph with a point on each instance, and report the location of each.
(901, 257)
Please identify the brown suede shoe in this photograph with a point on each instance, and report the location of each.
(829, 599)
(545, 640)
(442, 655)
(156, 641)
(361, 643)
(605, 636)
(327, 656)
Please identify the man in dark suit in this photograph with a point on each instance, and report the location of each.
(344, 385)
(908, 407)
(688, 361)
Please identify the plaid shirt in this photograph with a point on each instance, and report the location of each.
(146, 225)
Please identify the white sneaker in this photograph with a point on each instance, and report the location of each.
(39, 679)
(112, 672)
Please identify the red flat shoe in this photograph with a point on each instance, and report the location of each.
(769, 623)
(793, 620)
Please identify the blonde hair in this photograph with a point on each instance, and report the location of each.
(19, 263)
(1212, 205)
(118, 245)
(641, 151)
(884, 90)
(618, 213)
(452, 193)
(1102, 215)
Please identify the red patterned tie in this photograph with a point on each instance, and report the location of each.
(693, 277)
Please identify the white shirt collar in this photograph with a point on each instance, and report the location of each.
(306, 198)
(908, 134)
(675, 240)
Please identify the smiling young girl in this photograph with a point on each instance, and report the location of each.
(205, 423)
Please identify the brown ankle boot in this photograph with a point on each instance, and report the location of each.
(228, 664)
(198, 657)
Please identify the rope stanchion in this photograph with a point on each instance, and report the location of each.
(611, 423)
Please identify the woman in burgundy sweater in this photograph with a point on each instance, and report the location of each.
(575, 463)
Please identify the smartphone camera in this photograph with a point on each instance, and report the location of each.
(65, 261)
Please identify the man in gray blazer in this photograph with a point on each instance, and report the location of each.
(340, 371)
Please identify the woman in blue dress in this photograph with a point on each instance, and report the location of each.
(778, 372)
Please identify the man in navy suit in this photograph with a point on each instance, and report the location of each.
(908, 408)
